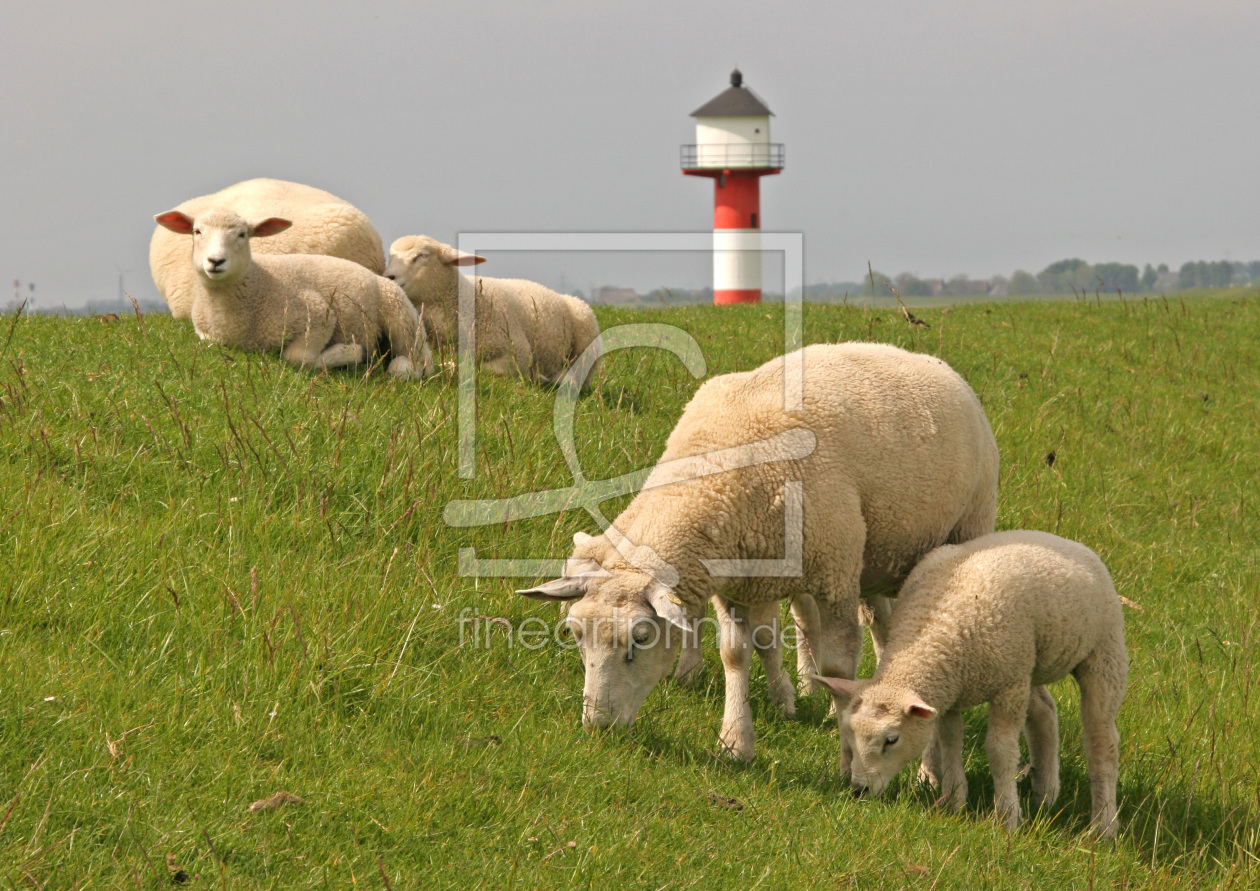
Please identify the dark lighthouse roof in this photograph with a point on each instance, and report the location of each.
(735, 101)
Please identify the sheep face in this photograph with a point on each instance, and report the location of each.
(628, 632)
(882, 730)
(423, 265)
(220, 250)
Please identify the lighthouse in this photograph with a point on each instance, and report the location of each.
(733, 149)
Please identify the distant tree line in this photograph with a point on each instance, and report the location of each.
(1067, 276)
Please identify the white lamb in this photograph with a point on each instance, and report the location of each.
(889, 456)
(522, 328)
(993, 620)
(322, 224)
(314, 310)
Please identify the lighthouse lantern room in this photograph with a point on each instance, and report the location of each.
(733, 148)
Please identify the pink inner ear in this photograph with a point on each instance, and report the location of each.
(177, 221)
(468, 260)
(917, 708)
(270, 226)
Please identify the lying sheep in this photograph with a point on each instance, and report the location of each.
(889, 456)
(522, 328)
(322, 224)
(993, 620)
(315, 310)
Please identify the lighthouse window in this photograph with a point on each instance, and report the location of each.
(756, 129)
(754, 222)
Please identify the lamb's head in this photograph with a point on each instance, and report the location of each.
(422, 264)
(220, 250)
(628, 627)
(882, 729)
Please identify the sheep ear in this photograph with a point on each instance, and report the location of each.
(452, 257)
(844, 688)
(269, 226)
(559, 589)
(177, 221)
(667, 606)
(914, 707)
(581, 538)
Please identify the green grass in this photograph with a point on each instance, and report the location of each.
(221, 578)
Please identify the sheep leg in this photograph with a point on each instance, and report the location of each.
(805, 614)
(764, 620)
(338, 355)
(690, 664)
(504, 366)
(1102, 679)
(1042, 732)
(930, 765)
(838, 644)
(306, 349)
(877, 613)
(949, 746)
(735, 644)
(1007, 713)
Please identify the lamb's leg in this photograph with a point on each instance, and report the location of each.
(735, 644)
(1042, 732)
(690, 663)
(1007, 713)
(949, 746)
(764, 620)
(1102, 678)
(805, 614)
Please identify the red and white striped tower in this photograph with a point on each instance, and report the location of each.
(733, 149)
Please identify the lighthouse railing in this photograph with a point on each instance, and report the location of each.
(731, 155)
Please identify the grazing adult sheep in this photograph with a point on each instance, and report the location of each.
(889, 456)
(522, 328)
(322, 224)
(994, 620)
(314, 310)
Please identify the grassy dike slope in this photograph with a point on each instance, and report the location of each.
(221, 578)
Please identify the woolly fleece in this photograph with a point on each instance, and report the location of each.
(322, 224)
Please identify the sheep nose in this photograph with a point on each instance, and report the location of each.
(216, 262)
(390, 276)
(860, 791)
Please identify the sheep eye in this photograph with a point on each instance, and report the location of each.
(891, 740)
(641, 633)
(196, 232)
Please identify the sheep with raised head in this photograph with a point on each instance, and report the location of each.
(888, 456)
(994, 620)
(315, 310)
(522, 328)
(322, 224)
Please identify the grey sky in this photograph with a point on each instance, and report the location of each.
(937, 138)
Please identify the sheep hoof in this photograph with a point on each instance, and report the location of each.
(402, 369)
